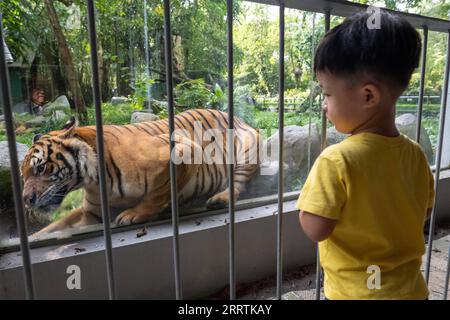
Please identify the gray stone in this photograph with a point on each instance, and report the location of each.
(4, 154)
(119, 100)
(61, 103)
(406, 124)
(296, 145)
(334, 136)
(59, 115)
(139, 116)
(35, 122)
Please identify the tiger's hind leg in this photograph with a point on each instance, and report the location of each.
(242, 175)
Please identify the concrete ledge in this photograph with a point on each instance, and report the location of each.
(144, 266)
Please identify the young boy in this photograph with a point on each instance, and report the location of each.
(366, 199)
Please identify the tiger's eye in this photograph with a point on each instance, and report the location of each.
(40, 168)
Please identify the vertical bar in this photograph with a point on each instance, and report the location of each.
(100, 149)
(323, 141)
(147, 60)
(173, 176)
(230, 144)
(15, 176)
(280, 155)
(323, 145)
(422, 82)
(438, 160)
(445, 97)
(311, 92)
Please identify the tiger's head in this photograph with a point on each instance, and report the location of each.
(56, 163)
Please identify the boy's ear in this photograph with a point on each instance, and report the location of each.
(371, 95)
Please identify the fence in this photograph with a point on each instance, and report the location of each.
(341, 8)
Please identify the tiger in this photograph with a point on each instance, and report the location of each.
(137, 167)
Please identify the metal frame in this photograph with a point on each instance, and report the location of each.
(173, 173)
(340, 8)
(230, 146)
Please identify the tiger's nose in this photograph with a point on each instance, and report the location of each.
(30, 199)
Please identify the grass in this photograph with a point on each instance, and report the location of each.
(72, 201)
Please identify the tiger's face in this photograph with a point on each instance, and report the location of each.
(51, 169)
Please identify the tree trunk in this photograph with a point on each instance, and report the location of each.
(67, 61)
(49, 50)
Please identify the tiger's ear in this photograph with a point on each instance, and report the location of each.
(69, 129)
(37, 137)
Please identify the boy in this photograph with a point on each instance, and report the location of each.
(366, 199)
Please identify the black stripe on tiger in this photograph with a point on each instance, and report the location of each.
(128, 129)
(204, 118)
(161, 131)
(61, 157)
(217, 120)
(118, 175)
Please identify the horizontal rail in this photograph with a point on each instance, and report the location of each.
(346, 8)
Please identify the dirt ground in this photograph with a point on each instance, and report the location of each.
(300, 284)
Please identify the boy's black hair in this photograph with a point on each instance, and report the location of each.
(390, 53)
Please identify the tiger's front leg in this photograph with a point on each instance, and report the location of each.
(78, 217)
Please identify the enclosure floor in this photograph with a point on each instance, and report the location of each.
(300, 284)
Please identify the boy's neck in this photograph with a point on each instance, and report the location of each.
(382, 123)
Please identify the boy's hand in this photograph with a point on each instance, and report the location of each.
(317, 228)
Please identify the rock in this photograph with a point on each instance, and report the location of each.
(2, 117)
(406, 124)
(296, 155)
(334, 136)
(118, 100)
(295, 161)
(4, 153)
(61, 104)
(59, 115)
(35, 122)
(139, 116)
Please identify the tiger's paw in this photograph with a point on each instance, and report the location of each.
(130, 217)
(217, 202)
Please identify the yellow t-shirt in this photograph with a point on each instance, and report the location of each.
(378, 189)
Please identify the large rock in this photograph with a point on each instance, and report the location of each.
(406, 124)
(61, 103)
(297, 142)
(296, 161)
(60, 115)
(139, 116)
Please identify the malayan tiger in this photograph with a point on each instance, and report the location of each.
(137, 167)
